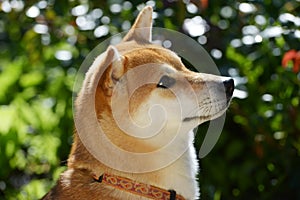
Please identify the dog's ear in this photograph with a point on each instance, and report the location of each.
(116, 70)
(141, 31)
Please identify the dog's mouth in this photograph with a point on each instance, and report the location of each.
(204, 118)
(200, 118)
(211, 116)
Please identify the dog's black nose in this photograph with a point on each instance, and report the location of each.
(229, 87)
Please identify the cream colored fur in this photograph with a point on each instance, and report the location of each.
(151, 110)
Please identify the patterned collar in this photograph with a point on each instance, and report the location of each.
(145, 190)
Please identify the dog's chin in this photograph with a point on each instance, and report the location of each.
(204, 118)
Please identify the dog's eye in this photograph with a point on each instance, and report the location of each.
(166, 82)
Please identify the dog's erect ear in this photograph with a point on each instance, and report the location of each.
(141, 31)
(116, 71)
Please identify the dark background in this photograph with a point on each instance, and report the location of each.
(43, 43)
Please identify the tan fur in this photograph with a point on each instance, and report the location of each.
(135, 50)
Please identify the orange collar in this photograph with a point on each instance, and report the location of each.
(145, 190)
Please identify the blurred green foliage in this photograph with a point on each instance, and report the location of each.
(43, 43)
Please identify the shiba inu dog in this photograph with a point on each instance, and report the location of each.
(146, 103)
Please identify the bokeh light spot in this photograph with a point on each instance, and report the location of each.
(63, 55)
(33, 12)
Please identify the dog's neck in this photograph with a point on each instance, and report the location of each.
(182, 179)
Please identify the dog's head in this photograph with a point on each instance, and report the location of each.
(146, 92)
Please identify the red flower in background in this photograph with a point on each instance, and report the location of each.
(204, 4)
(294, 57)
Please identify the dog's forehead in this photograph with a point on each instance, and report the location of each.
(153, 54)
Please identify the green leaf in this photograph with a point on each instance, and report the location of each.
(31, 79)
